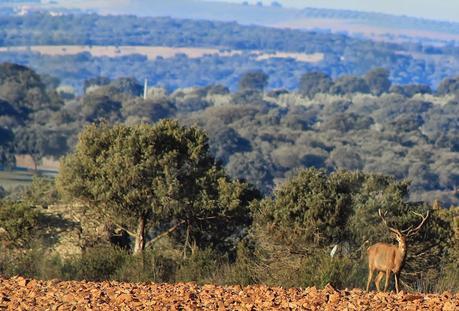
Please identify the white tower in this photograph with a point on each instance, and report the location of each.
(145, 89)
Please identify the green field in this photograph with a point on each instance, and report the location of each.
(11, 179)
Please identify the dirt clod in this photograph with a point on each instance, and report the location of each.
(20, 293)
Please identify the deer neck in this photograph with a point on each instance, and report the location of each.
(402, 247)
(401, 251)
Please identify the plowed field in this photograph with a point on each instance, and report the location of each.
(23, 294)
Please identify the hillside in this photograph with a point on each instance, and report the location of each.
(237, 44)
(378, 26)
(358, 23)
(40, 295)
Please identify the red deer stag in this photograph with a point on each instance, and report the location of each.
(387, 258)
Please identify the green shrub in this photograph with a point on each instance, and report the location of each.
(96, 264)
(240, 272)
(105, 262)
(320, 269)
(33, 263)
(146, 267)
(199, 267)
(18, 221)
(449, 280)
(164, 269)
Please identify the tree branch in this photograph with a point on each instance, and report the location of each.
(170, 230)
(406, 285)
(110, 219)
(213, 217)
(124, 229)
(424, 251)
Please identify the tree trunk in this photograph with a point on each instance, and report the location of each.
(35, 164)
(140, 237)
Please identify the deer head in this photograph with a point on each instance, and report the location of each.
(388, 258)
(406, 232)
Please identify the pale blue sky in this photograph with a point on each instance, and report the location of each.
(432, 9)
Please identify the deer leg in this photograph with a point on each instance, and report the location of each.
(378, 280)
(370, 277)
(396, 282)
(387, 280)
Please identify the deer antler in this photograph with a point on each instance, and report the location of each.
(396, 231)
(410, 231)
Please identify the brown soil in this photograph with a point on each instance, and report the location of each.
(24, 294)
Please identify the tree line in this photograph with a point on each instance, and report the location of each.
(357, 123)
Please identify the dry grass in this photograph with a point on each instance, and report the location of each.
(13, 179)
(152, 52)
(23, 177)
(353, 26)
(46, 164)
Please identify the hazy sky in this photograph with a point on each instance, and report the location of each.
(433, 9)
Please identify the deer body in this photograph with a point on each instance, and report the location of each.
(385, 258)
(388, 258)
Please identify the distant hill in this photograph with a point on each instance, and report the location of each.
(221, 11)
(375, 25)
(19, 1)
(368, 24)
(226, 50)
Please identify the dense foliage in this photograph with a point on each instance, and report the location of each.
(288, 243)
(313, 211)
(147, 177)
(264, 137)
(93, 29)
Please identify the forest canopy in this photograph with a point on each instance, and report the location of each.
(262, 136)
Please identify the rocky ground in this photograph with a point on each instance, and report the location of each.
(24, 294)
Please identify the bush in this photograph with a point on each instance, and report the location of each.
(32, 263)
(449, 280)
(96, 264)
(18, 223)
(241, 272)
(199, 267)
(320, 269)
(147, 267)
